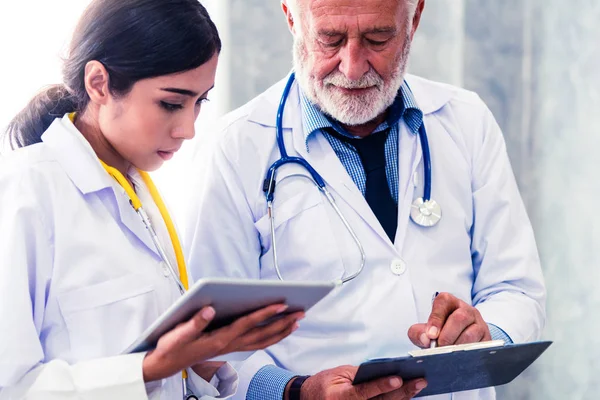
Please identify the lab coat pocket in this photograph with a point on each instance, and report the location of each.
(306, 245)
(104, 318)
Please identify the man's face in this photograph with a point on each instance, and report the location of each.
(350, 56)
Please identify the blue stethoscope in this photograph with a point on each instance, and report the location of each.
(424, 211)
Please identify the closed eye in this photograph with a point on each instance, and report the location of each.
(333, 44)
(170, 106)
(377, 42)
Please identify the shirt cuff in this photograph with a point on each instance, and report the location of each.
(223, 384)
(269, 383)
(499, 334)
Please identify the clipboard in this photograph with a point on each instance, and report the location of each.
(457, 368)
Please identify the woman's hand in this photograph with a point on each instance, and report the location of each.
(207, 369)
(187, 344)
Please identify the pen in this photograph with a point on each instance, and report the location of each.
(433, 343)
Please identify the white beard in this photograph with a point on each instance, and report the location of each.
(355, 109)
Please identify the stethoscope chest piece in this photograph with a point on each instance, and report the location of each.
(425, 213)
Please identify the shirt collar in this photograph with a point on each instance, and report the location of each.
(404, 107)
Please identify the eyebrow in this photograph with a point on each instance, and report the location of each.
(330, 33)
(383, 29)
(185, 92)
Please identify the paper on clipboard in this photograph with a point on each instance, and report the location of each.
(459, 347)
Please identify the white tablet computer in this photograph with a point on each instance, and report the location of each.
(231, 299)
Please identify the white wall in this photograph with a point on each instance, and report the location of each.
(33, 37)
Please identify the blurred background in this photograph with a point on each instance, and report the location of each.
(536, 63)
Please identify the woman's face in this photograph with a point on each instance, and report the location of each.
(149, 124)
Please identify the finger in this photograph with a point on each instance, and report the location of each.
(377, 387)
(417, 335)
(226, 338)
(245, 323)
(188, 331)
(271, 332)
(443, 305)
(272, 339)
(473, 334)
(455, 325)
(409, 390)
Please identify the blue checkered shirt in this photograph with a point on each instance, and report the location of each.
(403, 109)
(270, 381)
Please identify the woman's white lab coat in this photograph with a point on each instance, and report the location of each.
(80, 279)
(482, 251)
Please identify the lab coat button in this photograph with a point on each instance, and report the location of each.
(165, 269)
(398, 267)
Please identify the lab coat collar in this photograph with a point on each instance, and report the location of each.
(430, 97)
(76, 156)
(79, 161)
(266, 105)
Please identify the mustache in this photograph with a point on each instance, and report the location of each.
(368, 80)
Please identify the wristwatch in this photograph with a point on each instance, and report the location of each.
(294, 393)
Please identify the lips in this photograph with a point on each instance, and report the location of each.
(166, 155)
(355, 91)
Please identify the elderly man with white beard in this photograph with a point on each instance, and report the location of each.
(395, 186)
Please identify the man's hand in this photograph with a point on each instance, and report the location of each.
(452, 321)
(336, 383)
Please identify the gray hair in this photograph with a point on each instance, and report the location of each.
(412, 7)
(295, 7)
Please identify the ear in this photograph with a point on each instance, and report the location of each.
(96, 82)
(417, 18)
(288, 15)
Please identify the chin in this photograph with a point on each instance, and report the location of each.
(150, 165)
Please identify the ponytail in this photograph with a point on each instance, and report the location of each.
(28, 126)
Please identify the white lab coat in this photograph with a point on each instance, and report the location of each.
(482, 251)
(80, 279)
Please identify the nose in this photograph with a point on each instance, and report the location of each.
(185, 129)
(353, 60)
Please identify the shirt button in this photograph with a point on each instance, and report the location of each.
(398, 267)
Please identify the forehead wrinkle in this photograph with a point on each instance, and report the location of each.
(336, 11)
(322, 17)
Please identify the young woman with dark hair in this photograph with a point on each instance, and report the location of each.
(80, 275)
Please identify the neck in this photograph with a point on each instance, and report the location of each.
(87, 124)
(365, 129)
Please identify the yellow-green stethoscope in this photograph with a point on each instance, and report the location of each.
(180, 279)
